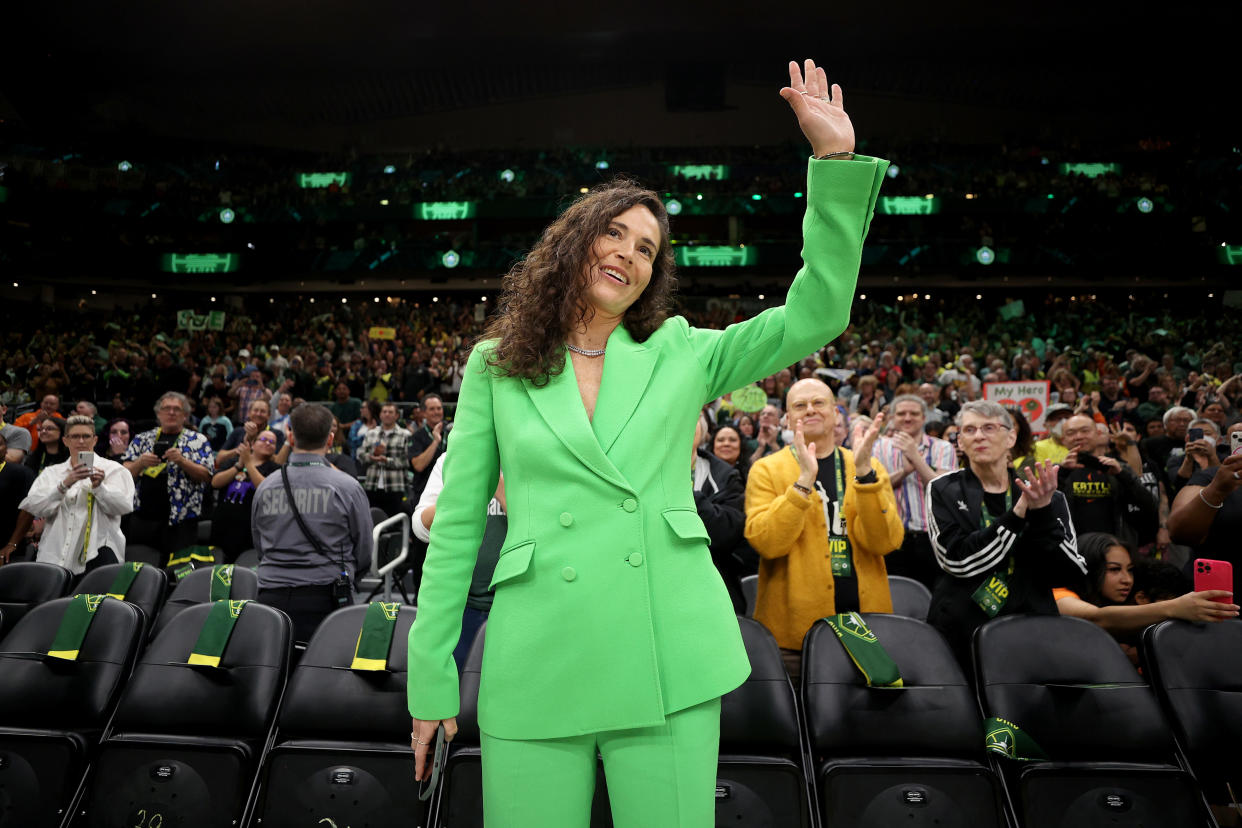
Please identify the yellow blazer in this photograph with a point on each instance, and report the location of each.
(788, 531)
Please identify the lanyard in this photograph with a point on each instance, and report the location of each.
(309, 463)
(994, 591)
(839, 550)
(90, 517)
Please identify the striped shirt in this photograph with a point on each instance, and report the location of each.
(911, 504)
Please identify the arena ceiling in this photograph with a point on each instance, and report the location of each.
(153, 67)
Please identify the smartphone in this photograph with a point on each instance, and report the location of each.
(86, 458)
(1211, 574)
(160, 447)
(1089, 461)
(1194, 434)
(1235, 441)
(436, 757)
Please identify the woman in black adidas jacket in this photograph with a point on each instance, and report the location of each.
(1003, 541)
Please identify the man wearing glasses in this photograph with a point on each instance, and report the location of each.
(1003, 541)
(170, 466)
(81, 504)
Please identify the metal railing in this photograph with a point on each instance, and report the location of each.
(385, 571)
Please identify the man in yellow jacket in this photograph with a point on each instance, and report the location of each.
(821, 529)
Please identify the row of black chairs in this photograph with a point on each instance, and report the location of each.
(847, 755)
(27, 584)
(853, 756)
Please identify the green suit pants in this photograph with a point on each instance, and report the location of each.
(658, 777)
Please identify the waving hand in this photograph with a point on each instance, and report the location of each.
(820, 109)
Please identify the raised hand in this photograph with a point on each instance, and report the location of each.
(808, 463)
(862, 451)
(820, 109)
(1039, 485)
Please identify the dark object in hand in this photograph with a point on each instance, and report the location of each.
(1090, 461)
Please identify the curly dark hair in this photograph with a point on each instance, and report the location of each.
(544, 295)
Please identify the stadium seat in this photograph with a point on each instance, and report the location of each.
(145, 554)
(187, 739)
(460, 800)
(249, 559)
(147, 592)
(195, 588)
(761, 777)
(53, 712)
(910, 597)
(342, 748)
(1196, 670)
(23, 584)
(896, 756)
(750, 590)
(204, 533)
(1111, 760)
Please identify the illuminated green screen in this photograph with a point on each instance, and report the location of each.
(710, 172)
(706, 255)
(1231, 254)
(445, 210)
(4, 195)
(907, 206)
(1090, 170)
(319, 180)
(200, 262)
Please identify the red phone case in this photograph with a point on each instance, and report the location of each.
(1211, 574)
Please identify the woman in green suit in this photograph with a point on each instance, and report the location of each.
(611, 630)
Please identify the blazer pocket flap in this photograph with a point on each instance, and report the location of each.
(686, 524)
(513, 562)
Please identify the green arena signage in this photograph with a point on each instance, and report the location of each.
(445, 210)
(1231, 254)
(907, 205)
(1090, 170)
(200, 262)
(321, 180)
(707, 255)
(701, 172)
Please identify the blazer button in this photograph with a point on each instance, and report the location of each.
(635, 559)
(629, 504)
(566, 519)
(569, 573)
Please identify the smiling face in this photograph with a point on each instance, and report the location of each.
(265, 445)
(621, 260)
(909, 418)
(810, 404)
(727, 445)
(985, 440)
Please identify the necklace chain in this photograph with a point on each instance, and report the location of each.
(584, 352)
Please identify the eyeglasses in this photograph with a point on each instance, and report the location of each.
(271, 440)
(176, 409)
(49, 428)
(988, 429)
(82, 437)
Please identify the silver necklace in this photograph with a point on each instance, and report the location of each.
(584, 352)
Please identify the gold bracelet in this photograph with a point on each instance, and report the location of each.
(846, 154)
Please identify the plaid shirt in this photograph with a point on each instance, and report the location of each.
(388, 474)
(911, 504)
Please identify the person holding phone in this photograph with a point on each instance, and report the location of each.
(81, 502)
(611, 632)
(1207, 513)
(1200, 454)
(170, 465)
(1104, 494)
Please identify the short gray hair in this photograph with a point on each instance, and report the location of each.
(907, 398)
(182, 399)
(985, 409)
(1174, 411)
(1203, 421)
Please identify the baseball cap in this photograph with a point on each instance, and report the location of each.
(16, 437)
(1057, 408)
(244, 353)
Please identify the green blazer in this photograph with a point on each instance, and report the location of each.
(608, 612)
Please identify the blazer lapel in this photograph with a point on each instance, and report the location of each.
(560, 404)
(627, 371)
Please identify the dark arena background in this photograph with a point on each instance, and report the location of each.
(297, 202)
